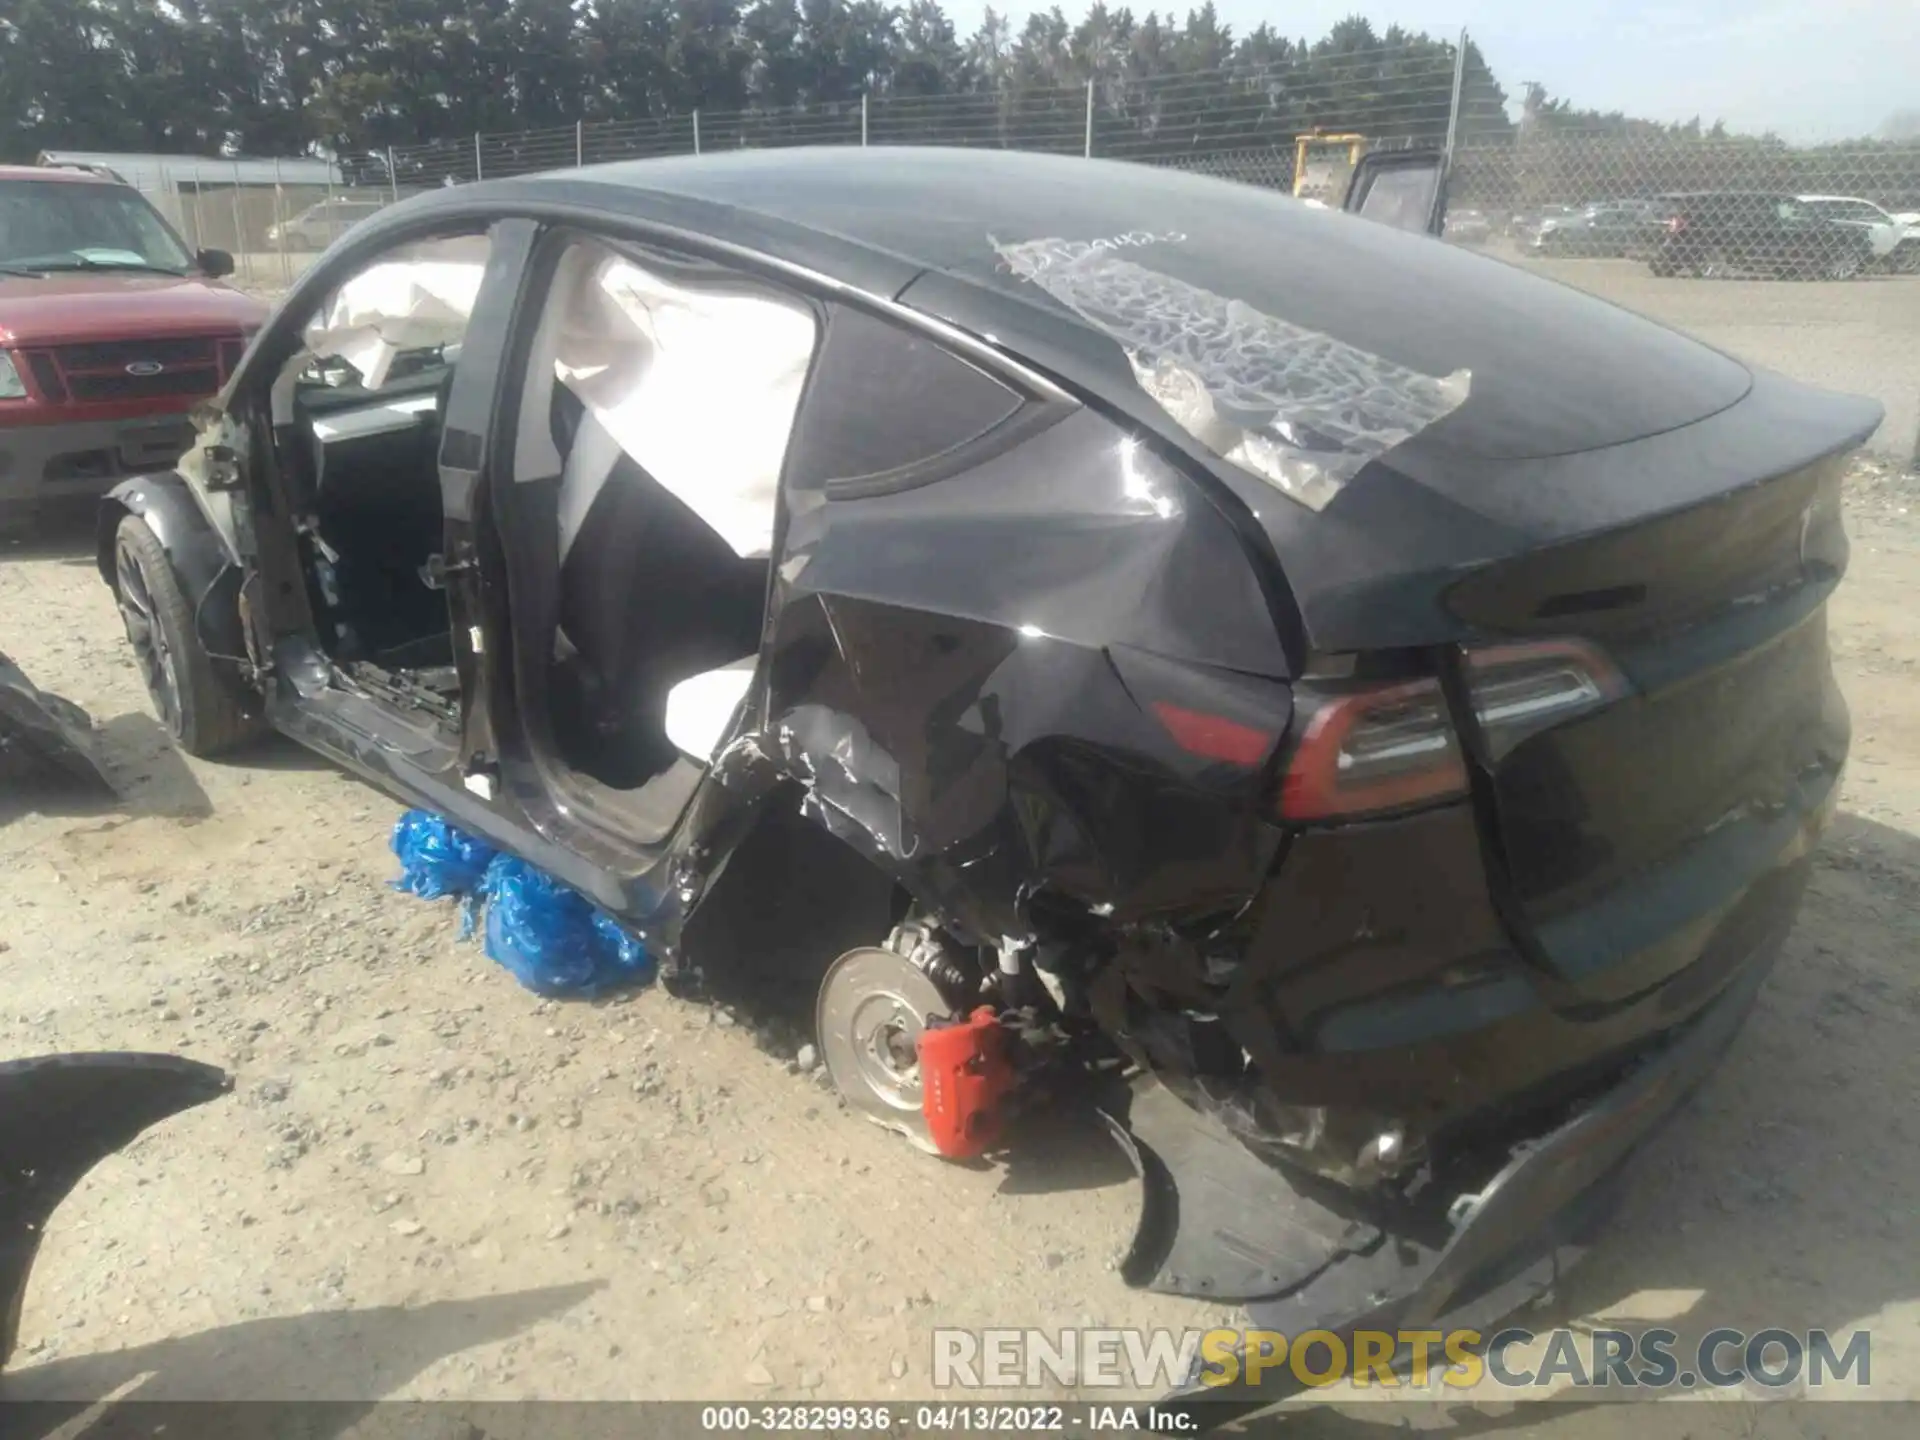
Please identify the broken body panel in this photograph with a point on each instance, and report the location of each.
(61, 1115)
(1093, 683)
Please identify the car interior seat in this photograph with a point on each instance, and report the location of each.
(650, 596)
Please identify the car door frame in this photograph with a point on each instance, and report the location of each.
(512, 749)
(657, 886)
(279, 621)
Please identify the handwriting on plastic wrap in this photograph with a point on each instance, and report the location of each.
(1036, 255)
(1295, 407)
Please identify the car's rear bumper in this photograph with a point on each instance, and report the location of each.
(1495, 1247)
(83, 459)
(1380, 1014)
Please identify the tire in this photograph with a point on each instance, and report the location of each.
(204, 710)
(1842, 265)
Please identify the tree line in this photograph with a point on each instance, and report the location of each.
(349, 78)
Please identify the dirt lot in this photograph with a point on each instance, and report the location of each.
(430, 1184)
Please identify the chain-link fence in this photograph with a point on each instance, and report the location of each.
(1803, 258)
(272, 227)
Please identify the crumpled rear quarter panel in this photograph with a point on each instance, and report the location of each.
(943, 682)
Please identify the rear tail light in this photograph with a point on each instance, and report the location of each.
(1676, 223)
(1391, 747)
(1214, 737)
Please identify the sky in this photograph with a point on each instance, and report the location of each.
(1809, 70)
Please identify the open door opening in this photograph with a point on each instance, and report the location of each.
(658, 398)
(1406, 189)
(358, 416)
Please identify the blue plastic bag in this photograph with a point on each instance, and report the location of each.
(436, 859)
(551, 938)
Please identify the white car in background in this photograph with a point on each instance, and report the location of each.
(1895, 238)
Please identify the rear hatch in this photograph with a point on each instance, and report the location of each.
(1639, 706)
(1656, 825)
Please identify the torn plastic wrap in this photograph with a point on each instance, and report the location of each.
(1295, 407)
(420, 298)
(437, 860)
(551, 939)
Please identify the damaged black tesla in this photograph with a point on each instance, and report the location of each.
(1377, 696)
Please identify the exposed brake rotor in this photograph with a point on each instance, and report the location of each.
(874, 1005)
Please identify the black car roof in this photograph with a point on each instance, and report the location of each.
(1232, 282)
(943, 223)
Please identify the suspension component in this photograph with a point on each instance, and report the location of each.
(920, 945)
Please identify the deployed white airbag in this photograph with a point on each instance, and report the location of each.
(422, 296)
(699, 709)
(698, 385)
(589, 464)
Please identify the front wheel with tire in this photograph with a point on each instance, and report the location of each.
(205, 710)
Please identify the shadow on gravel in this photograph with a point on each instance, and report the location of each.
(302, 1363)
(64, 534)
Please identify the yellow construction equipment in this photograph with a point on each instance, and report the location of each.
(1323, 163)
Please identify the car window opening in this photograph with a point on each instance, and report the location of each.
(360, 419)
(670, 394)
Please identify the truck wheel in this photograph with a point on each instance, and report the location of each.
(204, 710)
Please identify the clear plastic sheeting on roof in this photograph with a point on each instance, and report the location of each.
(1299, 409)
(421, 297)
(697, 380)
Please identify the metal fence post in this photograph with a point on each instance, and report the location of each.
(579, 142)
(1453, 105)
(476, 156)
(863, 119)
(280, 224)
(696, 131)
(240, 246)
(1088, 152)
(189, 215)
(393, 177)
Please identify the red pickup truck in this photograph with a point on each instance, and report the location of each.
(111, 330)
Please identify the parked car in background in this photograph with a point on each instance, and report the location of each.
(1468, 227)
(1895, 242)
(1522, 224)
(1718, 233)
(111, 329)
(1611, 229)
(319, 225)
